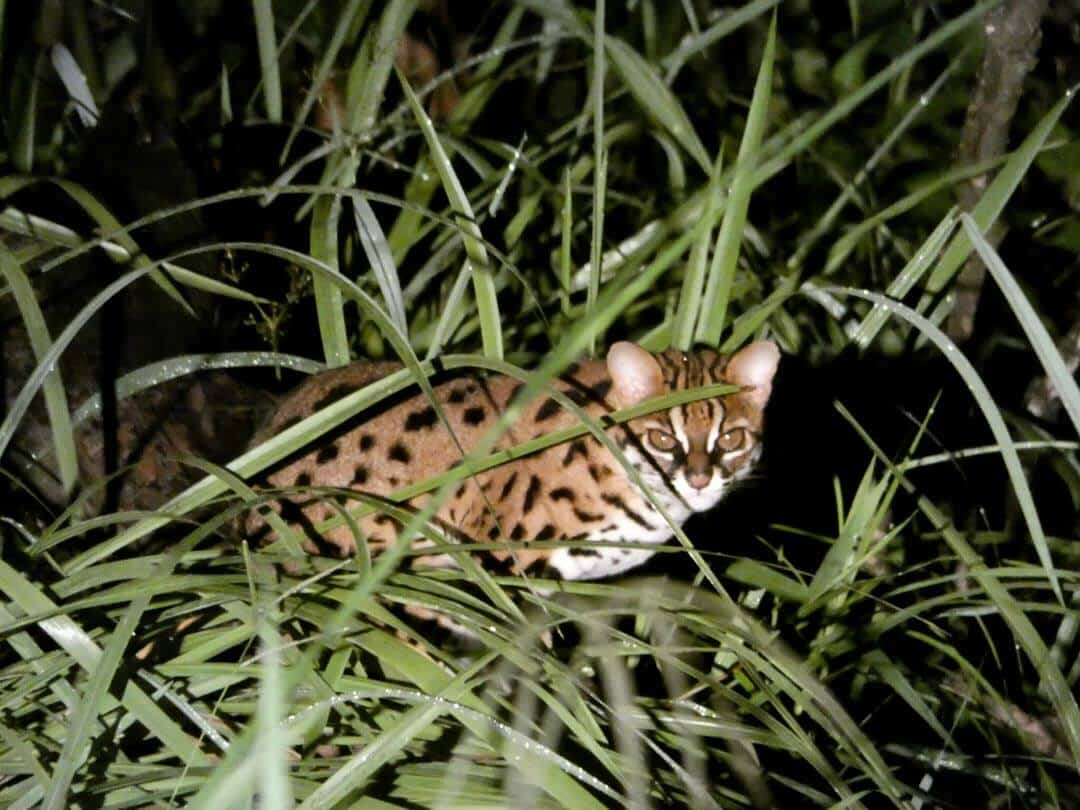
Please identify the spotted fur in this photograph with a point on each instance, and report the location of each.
(688, 457)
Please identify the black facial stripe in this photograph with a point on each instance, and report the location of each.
(651, 459)
(620, 504)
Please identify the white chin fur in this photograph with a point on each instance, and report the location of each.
(701, 500)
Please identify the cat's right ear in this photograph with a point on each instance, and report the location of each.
(635, 374)
(754, 367)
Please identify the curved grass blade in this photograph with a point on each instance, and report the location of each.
(156, 373)
(56, 403)
(37, 227)
(47, 363)
(1040, 339)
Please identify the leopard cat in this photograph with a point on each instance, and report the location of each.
(688, 456)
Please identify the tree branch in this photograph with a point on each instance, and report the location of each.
(1012, 41)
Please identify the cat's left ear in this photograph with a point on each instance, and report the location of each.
(754, 367)
(635, 374)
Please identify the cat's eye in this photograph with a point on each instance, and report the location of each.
(661, 440)
(731, 439)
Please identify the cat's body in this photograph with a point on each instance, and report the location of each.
(578, 492)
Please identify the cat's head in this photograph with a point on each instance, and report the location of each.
(700, 448)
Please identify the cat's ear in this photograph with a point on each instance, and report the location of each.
(754, 367)
(635, 374)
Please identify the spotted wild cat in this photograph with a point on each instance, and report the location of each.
(688, 456)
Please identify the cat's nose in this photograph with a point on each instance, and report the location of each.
(699, 480)
(698, 469)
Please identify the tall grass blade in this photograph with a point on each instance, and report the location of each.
(713, 312)
(597, 252)
(690, 295)
(377, 250)
(272, 741)
(655, 98)
(329, 303)
(25, 135)
(267, 40)
(487, 302)
(352, 16)
(596, 99)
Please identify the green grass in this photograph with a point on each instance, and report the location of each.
(915, 648)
